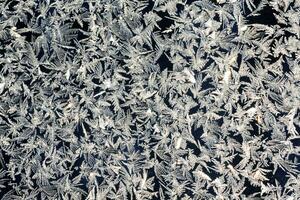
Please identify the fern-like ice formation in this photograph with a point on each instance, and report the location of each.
(149, 99)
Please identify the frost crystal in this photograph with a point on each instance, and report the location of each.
(149, 99)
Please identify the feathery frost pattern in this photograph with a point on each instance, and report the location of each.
(149, 99)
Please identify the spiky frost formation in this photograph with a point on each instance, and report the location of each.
(136, 99)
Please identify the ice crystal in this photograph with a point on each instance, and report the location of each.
(149, 99)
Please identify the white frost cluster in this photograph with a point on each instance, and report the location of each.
(149, 99)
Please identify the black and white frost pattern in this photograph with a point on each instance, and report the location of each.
(149, 99)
